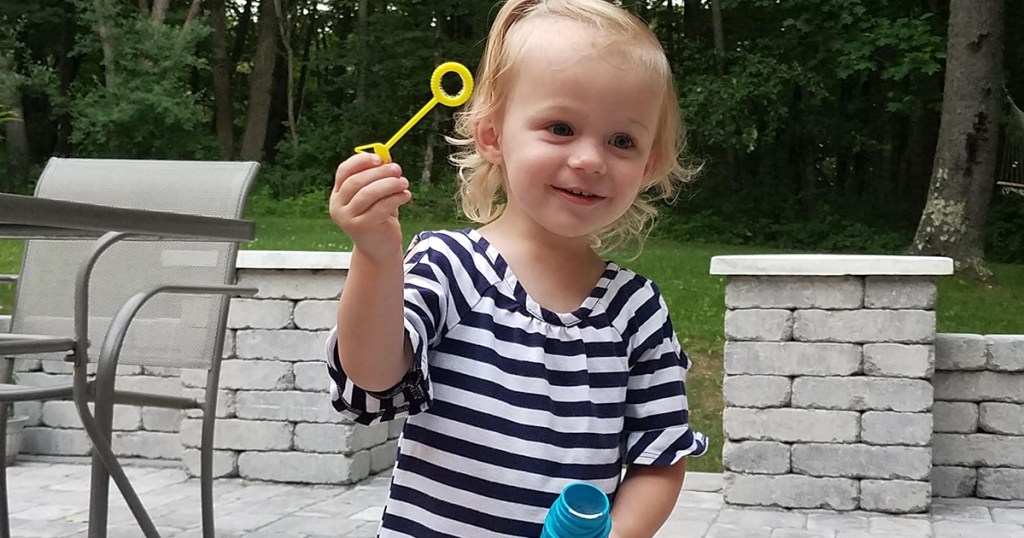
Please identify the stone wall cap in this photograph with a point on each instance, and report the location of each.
(292, 259)
(830, 265)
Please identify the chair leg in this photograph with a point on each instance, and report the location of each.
(206, 451)
(99, 498)
(206, 479)
(5, 521)
(103, 454)
(99, 490)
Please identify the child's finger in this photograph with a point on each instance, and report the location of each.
(373, 193)
(387, 206)
(360, 180)
(353, 165)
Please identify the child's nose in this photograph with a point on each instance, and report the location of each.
(588, 156)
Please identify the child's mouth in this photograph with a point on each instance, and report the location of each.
(579, 194)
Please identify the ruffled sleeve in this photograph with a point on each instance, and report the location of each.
(657, 417)
(426, 309)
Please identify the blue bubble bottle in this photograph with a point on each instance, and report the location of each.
(581, 511)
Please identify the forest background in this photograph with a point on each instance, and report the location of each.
(815, 120)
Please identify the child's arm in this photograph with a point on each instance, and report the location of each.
(364, 203)
(645, 499)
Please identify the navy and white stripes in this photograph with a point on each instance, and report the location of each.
(508, 402)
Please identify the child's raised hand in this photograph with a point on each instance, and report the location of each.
(364, 204)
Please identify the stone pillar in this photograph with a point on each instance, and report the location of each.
(979, 416)
(827, 389)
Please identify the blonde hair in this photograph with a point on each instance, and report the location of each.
(481, 182)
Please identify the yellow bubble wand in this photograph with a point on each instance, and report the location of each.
(440, 96)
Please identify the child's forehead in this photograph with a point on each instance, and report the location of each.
(552, 42)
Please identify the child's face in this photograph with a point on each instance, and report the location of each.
(575, 135)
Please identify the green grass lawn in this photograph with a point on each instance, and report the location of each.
(695, 298)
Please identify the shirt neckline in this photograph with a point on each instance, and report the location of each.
(591, 304)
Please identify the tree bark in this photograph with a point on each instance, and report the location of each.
(307, 45)
(193, 12)
(260, 84)
(953, 221)
(104, 16)
(718, 33)
(693, 20)
(285, 28)
(241, 32)
(159, 12)
(362, 37)
(221, 70)
(17, 137)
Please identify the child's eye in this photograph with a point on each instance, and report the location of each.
(560, 129)
(623, 142)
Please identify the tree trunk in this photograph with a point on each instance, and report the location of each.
(260, 85)
(159, 12)
(693, 20)
(193, 12)
(104, 18)
(426, 175)
(285, 28)
(241, 32)
(17, 137)
(953, 221)
(221, 70)
(307, 45)
(718, 33)
(362, 37)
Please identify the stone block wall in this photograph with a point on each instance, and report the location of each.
(275, 421)
(827, 392)
(54, 428)
(274, 417)
(979, 416)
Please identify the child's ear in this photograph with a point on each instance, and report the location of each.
(488, 140)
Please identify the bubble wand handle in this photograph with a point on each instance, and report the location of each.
(440, 96)
(412, 122)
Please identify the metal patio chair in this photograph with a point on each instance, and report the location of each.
(142, 296)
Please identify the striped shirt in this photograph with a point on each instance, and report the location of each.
(508, 402)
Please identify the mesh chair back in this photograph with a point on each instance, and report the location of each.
(171, 330)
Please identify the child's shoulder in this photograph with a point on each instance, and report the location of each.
(626, 280)
(454, 241)
(458, 251)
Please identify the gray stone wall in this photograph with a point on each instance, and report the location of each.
(54, 429)
(274, 417)
(979, 416)
(827, 392)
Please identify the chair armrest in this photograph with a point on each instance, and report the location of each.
(119, 324)
(19, 344)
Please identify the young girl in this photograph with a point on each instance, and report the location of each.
(523, 360)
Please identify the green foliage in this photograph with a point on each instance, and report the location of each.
(145, 107)
(7, 115)
(816, 126)
(1005, 231)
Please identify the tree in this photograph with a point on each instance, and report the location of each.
(260, 84)
(17, 139)
(963, 173)
(221, 68)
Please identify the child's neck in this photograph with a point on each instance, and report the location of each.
(558, 273)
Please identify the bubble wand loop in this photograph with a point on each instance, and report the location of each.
(384, 150)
